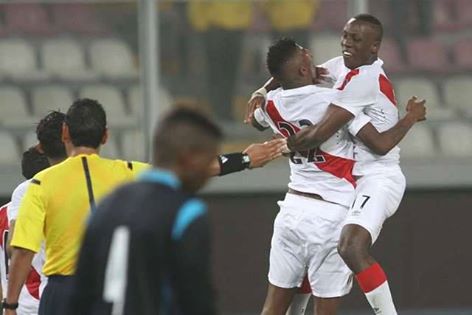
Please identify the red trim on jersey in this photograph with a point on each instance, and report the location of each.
(277, 119)
(4, 224)
(371, 278)
(337, 166)
(305, 288)
(33, 282)
(386, 88)
(348, 78)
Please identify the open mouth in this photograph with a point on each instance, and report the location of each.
(347, 54)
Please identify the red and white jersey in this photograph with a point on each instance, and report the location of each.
(327, 170)
(366, 90)
(36, 281)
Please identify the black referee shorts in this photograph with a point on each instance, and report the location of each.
(56, 295)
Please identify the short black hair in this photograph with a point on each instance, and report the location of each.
(49, 134)
(372, 20)
(33, 162)
(279, 53)
(183, 129)
(87, 122)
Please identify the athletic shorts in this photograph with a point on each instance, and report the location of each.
(306, 234)
(377, 198)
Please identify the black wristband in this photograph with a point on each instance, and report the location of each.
(9, 306)
(233, 162)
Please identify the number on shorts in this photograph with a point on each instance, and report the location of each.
(365, 200)
(116, 271)
(363, 203)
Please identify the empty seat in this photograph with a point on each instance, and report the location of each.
(27, 18)
(133, 145)
(443, 17)
(458, 93)
(423, 89)
(112, 102)
(18, 60)
(390, 53)
(14, 109)
(77, 18)
(9, 149)
(164, 102)
(427, 55)
(110, 149)
(113, 59)
(50, 97)
(455, 139)
(65, 59)
(325, 47)
(464, 12)
(418, 143)
(462, 52)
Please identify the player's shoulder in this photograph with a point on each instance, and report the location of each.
(21, 188)
(134, 167)
(274, 93)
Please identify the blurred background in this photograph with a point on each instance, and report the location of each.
(140, 58)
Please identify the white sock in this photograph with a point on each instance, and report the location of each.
(299, 303)
(380, 299)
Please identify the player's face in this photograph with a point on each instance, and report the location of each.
(307, 62)
(359, 44)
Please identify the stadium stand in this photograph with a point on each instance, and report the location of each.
(9, 149)
(461, 145)
(112, 59)
(434, 60)
(418, 143)
(458, 94)
(50, 97)
(18, 60)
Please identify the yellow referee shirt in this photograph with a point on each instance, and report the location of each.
(58, 202)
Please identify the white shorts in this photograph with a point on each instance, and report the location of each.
(306, 234)
(377, 198)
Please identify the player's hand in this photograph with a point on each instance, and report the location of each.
(256, 101)
(262, 153)
(416, 109)
(320, 75)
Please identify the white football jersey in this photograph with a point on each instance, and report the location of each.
(36, 281)
(366, 90)
(327, 170)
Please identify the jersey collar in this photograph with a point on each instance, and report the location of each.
(161, 176)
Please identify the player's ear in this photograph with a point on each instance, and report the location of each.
(105, 137)
(65, 136)
(375, 47)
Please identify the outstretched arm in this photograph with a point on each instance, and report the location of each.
(382, 143)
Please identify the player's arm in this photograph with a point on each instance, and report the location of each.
(311, 137)
(26, 240)
(382, 143)
(254, 156)
(11, 230)
(258, 98)
(192, 272)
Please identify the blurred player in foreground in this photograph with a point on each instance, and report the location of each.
(364, 88)
(154, 258)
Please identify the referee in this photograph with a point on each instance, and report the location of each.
(146, 249)
(58, 203)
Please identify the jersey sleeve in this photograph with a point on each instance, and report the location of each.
(30, 220)
(356, 124)
(261, 118)
(16, 198)
(356, 93)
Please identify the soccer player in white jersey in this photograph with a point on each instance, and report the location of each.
(32, 162)
(375, 140)
(364, 88)
(321, 188)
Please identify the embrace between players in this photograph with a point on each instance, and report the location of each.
(345, 176)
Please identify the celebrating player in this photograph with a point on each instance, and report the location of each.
(364, 88)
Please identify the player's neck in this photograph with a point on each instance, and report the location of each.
(295, 84)
(82, 150)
